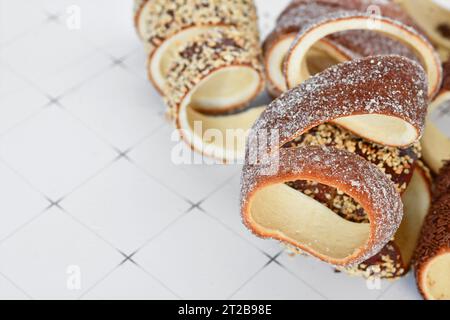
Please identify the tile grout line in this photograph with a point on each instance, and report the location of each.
(16, 286)
(250, 279)
(239, 235)
(301, 279)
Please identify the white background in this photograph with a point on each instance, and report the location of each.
(87, 183)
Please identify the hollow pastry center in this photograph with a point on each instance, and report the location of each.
(226, 87)
(437, 281)
(319, 58)
(379, 128)
(279, 209)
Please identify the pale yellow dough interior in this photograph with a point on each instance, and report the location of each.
(436, 144)
(319, 58)
(286, 213)
(416, 202)
(379, 128)
(226, 87)
(221, 137)
(437, 278)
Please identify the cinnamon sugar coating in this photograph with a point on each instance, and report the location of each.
(359, 43)
(388, 85)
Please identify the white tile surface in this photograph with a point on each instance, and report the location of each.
(39, 257)
(11, 27)
(125, 113)
(329, 283)
(199, 259)
(178, 224)
(57, 159)
(125, 206)
(69, 78)
(54, 49)
(129, 282)
(275, 283)
(21, 204)
(181, 177)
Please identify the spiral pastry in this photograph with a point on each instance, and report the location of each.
(389, 90)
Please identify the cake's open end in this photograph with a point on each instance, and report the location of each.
(305, 222)
(382, 129)
(436, 278)
(220, 137)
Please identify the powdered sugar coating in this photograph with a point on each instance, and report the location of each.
(389, 85)
(341, 169)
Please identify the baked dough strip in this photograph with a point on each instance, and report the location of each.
(205, 58)
(230, 68)
(269, 208)
(395, 259)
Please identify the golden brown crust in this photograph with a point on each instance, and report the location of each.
(138, 5)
